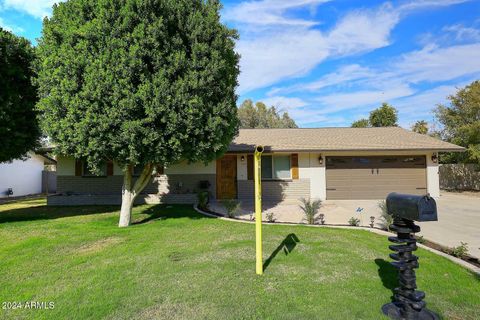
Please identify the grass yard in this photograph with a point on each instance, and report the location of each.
(177, 264)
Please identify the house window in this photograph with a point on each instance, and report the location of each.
(276, 167)
(86, 172)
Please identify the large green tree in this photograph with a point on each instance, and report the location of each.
(139, 82)
(19, 131)
(385, 116)
(461, 123)
(258, 115)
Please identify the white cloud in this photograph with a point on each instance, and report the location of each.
(433, 64)
(10, 27)
(463, 33)
(275, 45)
(270, 12)
(284, 103)
(278, 53)
(35, 8)
(358, 99)
(343, 75)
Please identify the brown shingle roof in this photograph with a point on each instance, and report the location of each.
(338, 139)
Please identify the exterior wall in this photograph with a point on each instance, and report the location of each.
(179, 184)
(433, 177)
(310, 169)
(24, 177)
(275, 191)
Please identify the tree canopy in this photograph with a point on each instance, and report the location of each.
(362, 123)
(19, 131)
(138, 82)
(385, 116)
(258, 115)
(461, 122)
(421, 126)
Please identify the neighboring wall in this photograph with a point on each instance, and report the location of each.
(24, 177)
(460, 177)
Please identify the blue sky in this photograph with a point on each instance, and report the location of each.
(329, 63)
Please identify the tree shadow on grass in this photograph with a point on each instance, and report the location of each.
(288, 244)
(388, 274)
(51, 212)
(163, 212)
(152, 213)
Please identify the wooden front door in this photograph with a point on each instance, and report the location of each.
(227, 177)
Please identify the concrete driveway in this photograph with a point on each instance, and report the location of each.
(459, 217)
(458, 220)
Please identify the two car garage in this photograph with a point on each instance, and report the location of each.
(374, 177)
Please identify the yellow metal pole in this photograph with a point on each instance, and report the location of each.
(258, 207)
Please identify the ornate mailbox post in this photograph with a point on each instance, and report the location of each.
(408, 302)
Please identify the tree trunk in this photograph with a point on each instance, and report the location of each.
(130, 192)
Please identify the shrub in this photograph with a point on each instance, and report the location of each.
(232, 206)
(270, 217)
(354, 221)
(386, 220)
(460, 251)
(310, 209)
(203, 198)
(321, 217)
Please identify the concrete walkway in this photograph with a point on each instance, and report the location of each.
(459, 217)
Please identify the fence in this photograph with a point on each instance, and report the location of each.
(460, 177)
(49, 181)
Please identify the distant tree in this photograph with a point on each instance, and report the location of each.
(142, 83)
(421, 126)
(260, 116)
(385, 116)
(19, 131)
(461, 123)
(362, 123)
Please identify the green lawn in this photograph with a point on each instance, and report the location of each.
(177, 264)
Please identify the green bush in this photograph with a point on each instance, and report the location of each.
(460, 251)
(354, 221)
(203, 199)
(310, 209)
(386, 220)
(232, 206)
(270, 217)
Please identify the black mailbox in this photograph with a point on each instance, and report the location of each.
(412, 207)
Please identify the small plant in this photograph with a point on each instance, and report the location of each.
(386, 219)
(270, 217)
(420, 239)
(203, 198)
(372, 221)
(310, 209)
(460, 250)
(354, 222)
(232, 206)
(321, 217)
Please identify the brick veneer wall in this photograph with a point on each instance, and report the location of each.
(275, 191)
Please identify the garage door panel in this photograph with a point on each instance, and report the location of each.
(346, 181)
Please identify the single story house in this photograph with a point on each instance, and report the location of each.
(25, 176)
(320, 163)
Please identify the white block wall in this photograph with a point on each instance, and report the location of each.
(24, 177)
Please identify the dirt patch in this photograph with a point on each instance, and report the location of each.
(176, 310)
(98, 245)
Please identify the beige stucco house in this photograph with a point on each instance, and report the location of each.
(321, 163)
